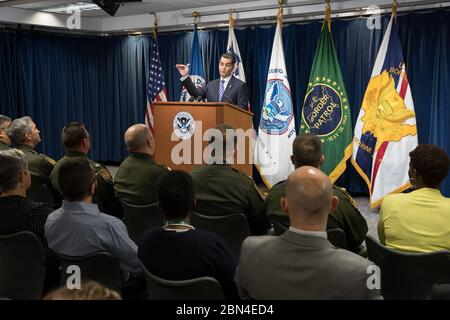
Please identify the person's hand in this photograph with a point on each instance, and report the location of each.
(183, 69)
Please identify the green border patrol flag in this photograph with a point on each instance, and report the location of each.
(326, 110)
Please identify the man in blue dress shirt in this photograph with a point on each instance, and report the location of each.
(78, 228)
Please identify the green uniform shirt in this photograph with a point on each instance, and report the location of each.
(4, 146)
(104, 196)
(135, 181)
(346, 217)
(222, 190)
(39, 165)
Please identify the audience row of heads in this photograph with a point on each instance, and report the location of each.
(19, 131)
(429, 164)
(74, 136)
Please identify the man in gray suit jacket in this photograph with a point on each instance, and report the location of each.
(302, 263)
(226, 89)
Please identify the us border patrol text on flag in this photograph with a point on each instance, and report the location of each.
(196, 67)
(326, 110)
(276, 129)
(156, 85)
(386, 131)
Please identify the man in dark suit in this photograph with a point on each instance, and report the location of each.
(302, 263)
(226, 89)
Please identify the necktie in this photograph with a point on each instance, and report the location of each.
(221, 89)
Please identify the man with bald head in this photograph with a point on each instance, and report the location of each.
(135, 181)
(307, 151)
(302, 263)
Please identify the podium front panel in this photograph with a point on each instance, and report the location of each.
(174, 119)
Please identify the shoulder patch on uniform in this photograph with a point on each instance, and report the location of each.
(104, 173)
(50, 160)
(349, 197)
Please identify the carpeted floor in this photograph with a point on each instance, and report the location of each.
(371, 215)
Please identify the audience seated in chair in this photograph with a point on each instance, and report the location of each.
(25, 136)
(76, 142)
(307, 151)
(177, 251)
(419, 221)
(5, 141)
(78, 228)
(301, 263)
(221, 189)
(89, 290)
(135, 181)
(19, 213)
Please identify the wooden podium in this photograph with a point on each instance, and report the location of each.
(206, 115)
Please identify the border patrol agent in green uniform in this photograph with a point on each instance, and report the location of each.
(307, 150)
(221, 189)
(39, 165)
(25, 136)
(5, 141)
(77, 143)
(135, 181)
(4, 146)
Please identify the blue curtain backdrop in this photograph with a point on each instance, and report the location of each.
(101, 81)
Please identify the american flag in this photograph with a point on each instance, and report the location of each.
(156, 84)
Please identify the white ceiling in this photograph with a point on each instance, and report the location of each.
(177, 14)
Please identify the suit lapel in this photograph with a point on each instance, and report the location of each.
(229, 87)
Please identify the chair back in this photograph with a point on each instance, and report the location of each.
(278, 227)
(22, 269)
(203, 288)
(41, 193)
(440, 292)
(408, 275)
(140, 218)
(99, 266)
(337, 238)
(233, 227)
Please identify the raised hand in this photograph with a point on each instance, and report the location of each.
(183, 69)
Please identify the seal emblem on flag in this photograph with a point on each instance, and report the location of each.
(183, 125)
(277, 111)
(323, 109)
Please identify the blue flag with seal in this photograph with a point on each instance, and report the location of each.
(276, 132)
(195, 67)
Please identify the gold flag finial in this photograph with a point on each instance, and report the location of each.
(327, 15)
(394, 10)
(231, 19)
(155, 26)
(196, 16)
(280, 12)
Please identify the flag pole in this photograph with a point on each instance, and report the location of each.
(394, 10)
(280, 13)
(327, 15)
(231, 19)
(196, 16)
(155, 26)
